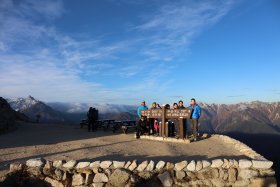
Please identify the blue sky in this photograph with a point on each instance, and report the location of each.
(110, 51)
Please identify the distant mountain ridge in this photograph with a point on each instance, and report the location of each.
(250, 117)
(32, 108)
(58, 112)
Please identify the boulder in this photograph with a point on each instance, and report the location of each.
(94, 164)
(58, 174)
(180, 165)
(105, 164)
(180, 174)
(78, 179)
(191, 166)
(247, 173)
(145, 175)
(198, 166)
(262, 164)
(118, 164)
(133, 165)
(170, 166)
(100, 177)
(165, 179)
(226, 163)
(36, 162)
(142, 166)
(205, 163)
(57, 163)
(192, 175)
(70, 164)
(232, 174)
(150, 166)
(82, 165)
(53, 182)
(160, 165)
(16, 167)
(217, 163)
(244, 163)
(119, 177)
(127, 164)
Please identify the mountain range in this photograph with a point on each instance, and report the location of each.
(250, 117)
(59, 112)
(247, 117)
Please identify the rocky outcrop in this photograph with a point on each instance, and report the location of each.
(8, 116)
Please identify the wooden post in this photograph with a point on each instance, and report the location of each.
(162, 127)
(181, 128)
(166, 128)
(180, 114)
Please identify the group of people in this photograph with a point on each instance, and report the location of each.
(92, 116)
(151, 126)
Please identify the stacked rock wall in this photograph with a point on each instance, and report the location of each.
(217, 172)
(254, 171)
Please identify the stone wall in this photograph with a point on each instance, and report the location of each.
(254, 171)
(218, 172)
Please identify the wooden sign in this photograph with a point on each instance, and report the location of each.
(169, 113)
(178, 113)
(164, 114)
(152, 113)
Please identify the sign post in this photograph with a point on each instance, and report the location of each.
(164, 114)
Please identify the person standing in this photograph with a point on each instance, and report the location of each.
(90, 118)
(154, 106)
(176, 122)
(140, 108)
(194, 117)
(94, 119)
(181, 106)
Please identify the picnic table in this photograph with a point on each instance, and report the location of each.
(107, 123)
(83, 122)
(124, 125)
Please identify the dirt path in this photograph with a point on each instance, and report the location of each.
(52, 142)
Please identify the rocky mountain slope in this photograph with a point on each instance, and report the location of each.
(35, 109)
(8, 116)
(253, 117)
